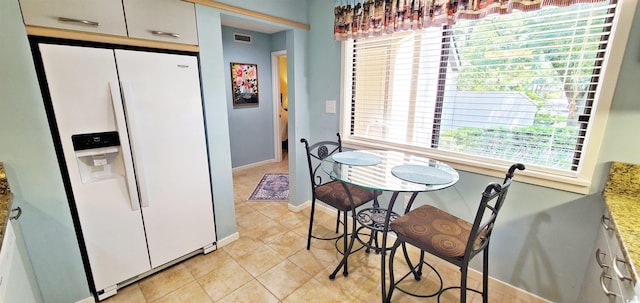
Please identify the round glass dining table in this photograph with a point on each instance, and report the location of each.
(388, 171)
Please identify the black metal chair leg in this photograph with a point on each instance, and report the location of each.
(416, 274)
(347, 250)
(419, 271)
(345, 271)
(338, 222)
(313, 208)
(485, 276)
(392, 283)
(463, 285)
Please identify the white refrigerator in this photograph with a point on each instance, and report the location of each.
(132, 136)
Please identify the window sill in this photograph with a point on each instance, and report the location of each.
(494, 168)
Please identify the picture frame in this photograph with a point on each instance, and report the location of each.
(244, 84)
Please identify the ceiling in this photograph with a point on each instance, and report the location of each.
(248, 24)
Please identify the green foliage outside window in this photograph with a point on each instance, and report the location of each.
(541, 56)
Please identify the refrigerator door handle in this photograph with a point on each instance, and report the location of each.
(121, 124)
(128, 98)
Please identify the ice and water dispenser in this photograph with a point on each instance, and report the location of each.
(98, 156)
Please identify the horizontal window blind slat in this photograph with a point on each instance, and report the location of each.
(510, 87)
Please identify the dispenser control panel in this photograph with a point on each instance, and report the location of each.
(95, 140)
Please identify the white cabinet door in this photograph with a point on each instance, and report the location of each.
(97, 16)
(620, 272)
(598, 276)
(605, 277)
(20, 281)
(6, 261)
(164, 20)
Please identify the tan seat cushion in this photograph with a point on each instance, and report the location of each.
(434, 231)
(333, 193)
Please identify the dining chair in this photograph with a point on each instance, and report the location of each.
(450, 238)
(343, 197)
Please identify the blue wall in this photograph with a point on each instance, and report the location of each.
(251, 126)
(215, 80)
(620, 143)
(279, 41)
(212, 69)
(295, 10)
(324, 80)
(299, 115)
(544, 238)
(26, 148)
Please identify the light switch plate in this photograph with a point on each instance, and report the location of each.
(330, 106)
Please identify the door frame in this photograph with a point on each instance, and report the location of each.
(275, 74)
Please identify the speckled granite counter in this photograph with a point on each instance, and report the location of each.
(5, 202)
(622, 198)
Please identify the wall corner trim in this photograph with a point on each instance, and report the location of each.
(87, 300)
(250, 13)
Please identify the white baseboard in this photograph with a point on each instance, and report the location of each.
(319, 206)
(87, 300)
(298, 208)
(514, 291)
(326, 209)
(252, 165)
(227, 240)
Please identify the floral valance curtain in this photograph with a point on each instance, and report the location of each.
(357, 19)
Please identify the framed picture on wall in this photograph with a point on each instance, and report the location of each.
(244, 84)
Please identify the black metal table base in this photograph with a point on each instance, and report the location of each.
(373, 219)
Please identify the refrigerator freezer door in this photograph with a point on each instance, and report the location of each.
(78, 80)
(164, 113)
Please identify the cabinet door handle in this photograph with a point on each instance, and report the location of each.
(168, 34)
(18, 211)
(80, 21)
(606, 222)
(621, 276)
(606, 291)
(599, 253)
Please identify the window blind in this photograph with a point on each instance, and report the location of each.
(517, 87)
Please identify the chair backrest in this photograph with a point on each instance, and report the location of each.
(492, 200)
(316, 153)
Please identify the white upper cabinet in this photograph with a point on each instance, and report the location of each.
(97, 16)
(159, 20)
(164, 20)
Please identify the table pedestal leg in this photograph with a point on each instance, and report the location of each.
(383, 271)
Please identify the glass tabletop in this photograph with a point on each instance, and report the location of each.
(390, 171)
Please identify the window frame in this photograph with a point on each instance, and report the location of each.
(579, 181)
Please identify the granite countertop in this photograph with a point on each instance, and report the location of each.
(622, 198)
(6, 198)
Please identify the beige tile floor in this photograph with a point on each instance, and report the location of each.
(270, 263)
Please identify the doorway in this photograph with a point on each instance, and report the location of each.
(280, 104)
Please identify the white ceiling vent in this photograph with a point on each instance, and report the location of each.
(242, 38)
